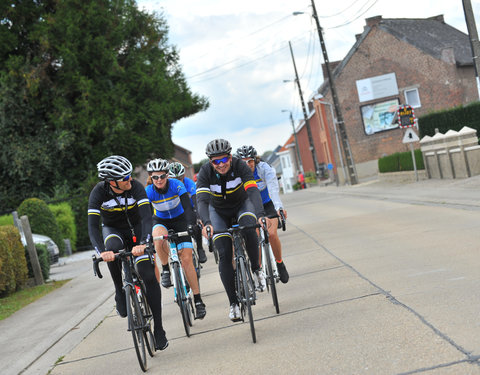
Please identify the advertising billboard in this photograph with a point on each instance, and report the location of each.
(381, 116)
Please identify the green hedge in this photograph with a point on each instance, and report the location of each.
(454, 118)
(13, 266)
(42, 220)
(43, 259)
(400, 161)
(6, 220)
(66, 221)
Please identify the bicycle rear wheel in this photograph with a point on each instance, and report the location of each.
(135, 325)
(248, 295)
(181, 298)
(271, 282)
(147, 318)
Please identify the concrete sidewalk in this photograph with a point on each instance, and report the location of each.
(463, 193)
(34, 338)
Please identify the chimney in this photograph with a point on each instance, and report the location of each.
(373, 21)
(438, 18)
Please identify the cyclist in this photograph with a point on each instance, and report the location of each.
(177, 170)
(226, 190)
(267, 182)
(123, 207)
(172, 210)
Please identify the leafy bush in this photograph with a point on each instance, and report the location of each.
(13, 266)
(42, 220)
(43, 259)
(400, 161)
(6, 220)
(66, 221)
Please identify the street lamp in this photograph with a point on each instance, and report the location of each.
(299, 164)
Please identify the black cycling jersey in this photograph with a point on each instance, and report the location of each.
(113, 209)
(226, 191)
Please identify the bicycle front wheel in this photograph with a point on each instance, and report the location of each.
(181, 298)
(248, 295)
(271, 282)
(135, 325)
(147, 318)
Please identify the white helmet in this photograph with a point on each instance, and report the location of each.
(176, 170)
(114, 168)
(157, 165)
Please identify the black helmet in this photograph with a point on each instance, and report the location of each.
(114, 168)
(218, 147)
(246, 152)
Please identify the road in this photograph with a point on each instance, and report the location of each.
(377, 287)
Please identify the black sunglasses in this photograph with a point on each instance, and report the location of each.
(222, 160)
(161, 177)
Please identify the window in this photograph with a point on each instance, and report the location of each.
(412, 98)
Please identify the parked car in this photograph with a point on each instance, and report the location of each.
(52, 247)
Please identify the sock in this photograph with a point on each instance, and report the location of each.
(197, 298)
(165, 267)
(279, 261)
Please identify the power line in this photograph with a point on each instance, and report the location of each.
(359, 15)
(342, 11)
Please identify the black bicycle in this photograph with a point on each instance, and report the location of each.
(272, 276)
(182, 292)
(139, 315)
(244, 284)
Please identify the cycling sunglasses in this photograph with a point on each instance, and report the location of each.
(222, 160)
(161, 177)
(126, 178)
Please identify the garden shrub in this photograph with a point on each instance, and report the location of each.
(400, 161)
(66, 221)
(43, 259)
(13, 265)
(6, 220)
(42, 220)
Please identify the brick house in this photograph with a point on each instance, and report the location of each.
(421, 62)
(181, 155)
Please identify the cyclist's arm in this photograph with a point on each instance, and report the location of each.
(251, 188)
(203, 195)
(269, 175)
(187, 208)
(93, 223)
(140, 195)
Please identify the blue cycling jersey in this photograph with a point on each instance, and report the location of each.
(168, 205)
(191, 187)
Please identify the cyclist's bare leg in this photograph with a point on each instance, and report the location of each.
(273, 238)
(161, 246)
(187, 264)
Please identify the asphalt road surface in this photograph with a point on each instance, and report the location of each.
(376, 286)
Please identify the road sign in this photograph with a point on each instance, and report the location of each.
(406, 116)
(410, 136)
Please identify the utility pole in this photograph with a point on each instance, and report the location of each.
(473, 35)
(299, 164)
(307, 122)
(352, 173)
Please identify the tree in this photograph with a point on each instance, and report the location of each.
(79, 80)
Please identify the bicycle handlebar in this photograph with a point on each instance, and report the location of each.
(171, 235)
(121, 253)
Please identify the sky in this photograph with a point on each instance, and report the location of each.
(237, 55)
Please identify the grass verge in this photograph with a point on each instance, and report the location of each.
(22, 298)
